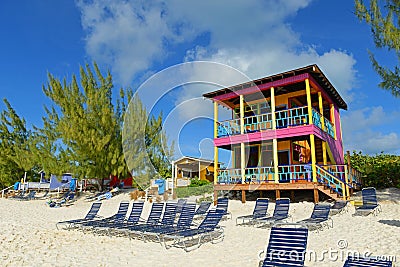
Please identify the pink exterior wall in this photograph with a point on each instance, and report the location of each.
(339, 157)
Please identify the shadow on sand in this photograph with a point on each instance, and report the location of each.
(391, 222)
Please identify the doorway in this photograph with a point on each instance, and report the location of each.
(284, 160)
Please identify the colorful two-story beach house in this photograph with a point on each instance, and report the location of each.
(284, 134)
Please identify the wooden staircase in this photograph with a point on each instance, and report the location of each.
(329, 192)
(318, 150)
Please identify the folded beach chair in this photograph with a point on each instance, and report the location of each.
(179, 205)
(207, 231)
(281, 213)
(366, 262)
(260, 211)
(116, 218)
(133, 219)
(222, 204)
(370, 203)
(203, 208)
(184, 222)
(167, 219)
(338, 207)
(91, 215)
(319, 217)
(286, 247)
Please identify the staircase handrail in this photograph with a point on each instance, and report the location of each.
(334, 180)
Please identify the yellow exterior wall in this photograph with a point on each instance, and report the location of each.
(283, 145)
(203, 172)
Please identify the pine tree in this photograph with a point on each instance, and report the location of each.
(84, 129)
(145, 144)
(16, 156)
(384, 21)
(87, 124)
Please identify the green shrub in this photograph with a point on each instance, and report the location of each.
(182, 192)
(196, 183)
(380, 170)
(204, 198)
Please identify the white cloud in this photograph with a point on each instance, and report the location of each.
(363, 130)
(254, 36)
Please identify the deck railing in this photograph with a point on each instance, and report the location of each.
(329, 127)
(283, 118)
(316, 117)
(257, 175)
(355, 176)
(228, 127)
(295, 173)
(258, 122)
(229, 176)
(288, 173)
(330, 180)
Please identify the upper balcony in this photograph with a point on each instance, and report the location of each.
(293, 117)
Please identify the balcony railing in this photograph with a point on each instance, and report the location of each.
(287, 173)
(329, 127)
(258, 175)
(283, 118)
(228, 127)
(258, 122)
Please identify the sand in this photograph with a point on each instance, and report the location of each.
(28, 237)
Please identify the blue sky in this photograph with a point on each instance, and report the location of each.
(136, 39)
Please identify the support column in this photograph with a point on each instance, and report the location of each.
(242, 162)
(215, 147)
(241, 98)
(332, 112)
(312, 138)
(316, 195)
(173, 178)
(313, 158)
(349, 191)
(200, 172)
(243, 196)
(277, 193)
(292, 195)
(215, 197)
(321, 110)
(275, 140)
(346, 189)
(242, 146)
(176, 175)
(309, 106)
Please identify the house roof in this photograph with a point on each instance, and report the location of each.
(313, 70)
(192, 163)
(187, 159)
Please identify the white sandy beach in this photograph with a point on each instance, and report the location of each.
(28, 237)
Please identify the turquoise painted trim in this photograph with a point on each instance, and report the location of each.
(329, 180)
(228, 127)
(257, 175)
(329, 127)
(284, 118)
(316, 118)
(294, 173)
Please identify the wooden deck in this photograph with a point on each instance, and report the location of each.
(267, 186)
(277, 187)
